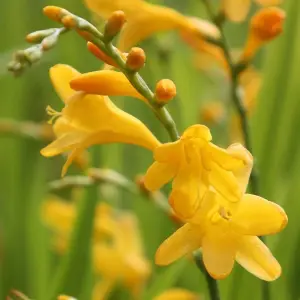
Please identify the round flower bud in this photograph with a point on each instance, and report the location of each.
(114, 24)
(136, 59)
(267, 23)
(165, 91)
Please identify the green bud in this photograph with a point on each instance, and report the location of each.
(50, 41)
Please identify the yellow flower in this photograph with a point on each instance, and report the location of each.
(122, 259)
(145, 19)
(237, 10)
(194, 163)
(226, 234)
(177, 294)
(91, 119)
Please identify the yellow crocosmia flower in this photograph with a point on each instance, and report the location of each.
(194, 163)
(177, 294)
(225, 234)
(91, 119)
(145, 19)
(122, 259)
(105, 82)
(237, 10)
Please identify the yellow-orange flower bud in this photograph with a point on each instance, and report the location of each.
(265, 25)
(114, 24)
(55, 13)
(136, 59)
(165, 91)
(69, 21)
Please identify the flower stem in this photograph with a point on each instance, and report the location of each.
(236, 97)
(212, 284)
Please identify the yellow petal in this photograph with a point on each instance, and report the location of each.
(106, 122)
(236, 10)
(64, 143)
(219, 249)
(197, 131)
(102, 289)
(185, 240)
(187, 191)
(257, 259)
(106, 83)
(177, 294)
(242, 174)
(257, 216)
(62, 126)
(158, 175)
(169, 152)
(61, 75)
(77, 152)
(225, 183)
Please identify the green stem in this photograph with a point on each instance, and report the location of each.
(212, 284)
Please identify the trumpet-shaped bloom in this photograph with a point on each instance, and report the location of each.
(195, 163)
(237, 10)
(91, 119)
(145, 19)
(225, 234)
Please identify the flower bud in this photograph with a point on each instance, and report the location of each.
(136, 59)
(114, 24)
(165, 91)
(55, 13)
(69, 21)
(33, 54)
(49, 42)
(100, 54)
(265, 25)
(38, 36)
(64, 297)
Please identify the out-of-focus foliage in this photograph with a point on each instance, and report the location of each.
(27, 260)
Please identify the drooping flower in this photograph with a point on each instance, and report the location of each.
(91, 119)
(237, 10)
(226, 234)
(145, 19)
(195, 163)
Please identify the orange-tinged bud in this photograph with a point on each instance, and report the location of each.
(136, 59)
(69, 21)
(265, 25)
(100, 54)
(165, 91)
(114, 24)
(55, 13)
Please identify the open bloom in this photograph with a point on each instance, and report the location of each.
(145, 19)
(237, 10)
(91, 119)
(121, 260)
(195, 163)
(227, 234)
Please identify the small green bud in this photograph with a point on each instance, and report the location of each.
(33, 54)
(50, 41)
(37, 36)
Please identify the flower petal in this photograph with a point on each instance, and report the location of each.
(102, 289)
(225, 183)
(197, 131)
(158, 175)
(169, 152)
(236, 10)
(61, 75)
(268, 2)
(177, 294)
(187, 191)
(257, 216)
(185, 240)
(64, 143)
(77, 152)
(106, 83)
(257, 259)
(219, 249)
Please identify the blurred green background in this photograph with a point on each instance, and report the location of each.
(27, 262)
